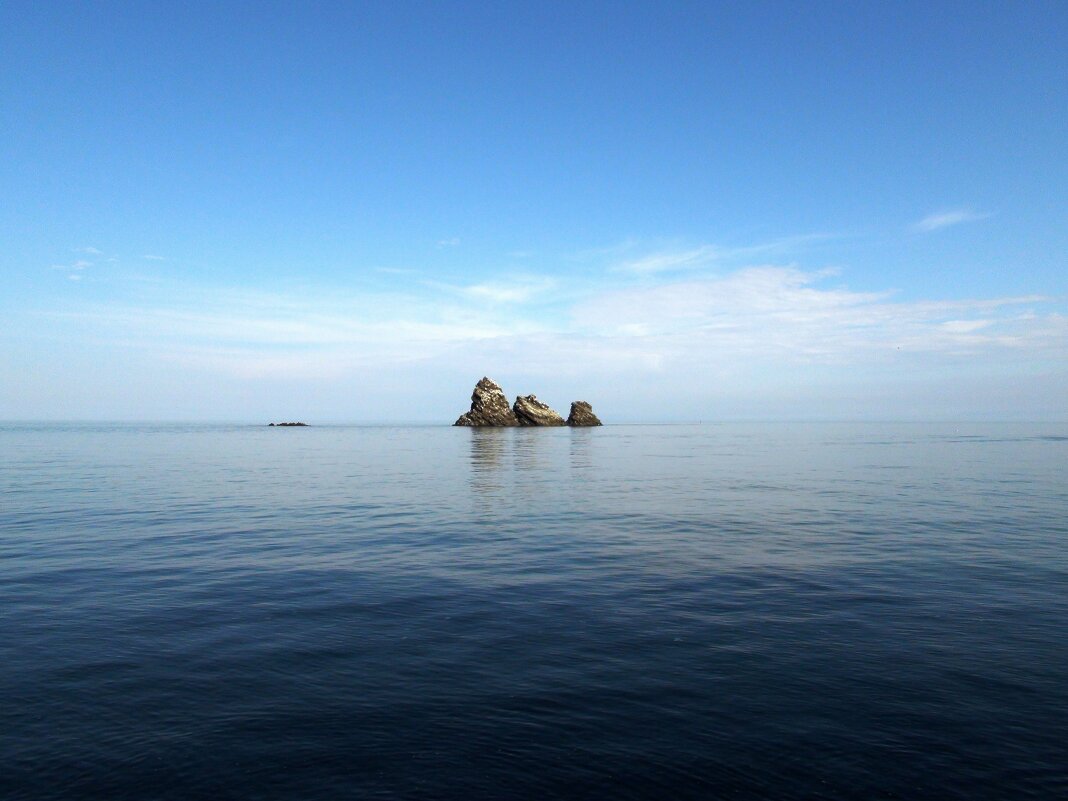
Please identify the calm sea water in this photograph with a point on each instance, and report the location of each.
(735, 611)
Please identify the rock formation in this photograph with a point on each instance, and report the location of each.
(489, 407)
(283, 425)
(582, 415)
(532, 412)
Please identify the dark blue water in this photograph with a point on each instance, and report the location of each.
(763, 611)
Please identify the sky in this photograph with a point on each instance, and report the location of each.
(675, 211)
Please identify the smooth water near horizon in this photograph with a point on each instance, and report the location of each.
(722, 611)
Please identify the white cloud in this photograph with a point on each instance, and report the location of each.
(90, 251)
(151, 257)
(80, 264)
(944, 219)
(688, 329)
(518, 291)
(246, 333)
(452, 242)
(761, 335)
(670, 260)
(965, 326)
(692, 258)
(783, 315)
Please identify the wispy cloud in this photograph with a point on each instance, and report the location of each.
(89, 251)
(946, 218)
(681, 330)
(678, 259)
(257, 334)
(80, 264)
(785, 314)
(517, 291)
(514, 289)
(669, 339)
(670, 260)
(152, 257)
(452, 242)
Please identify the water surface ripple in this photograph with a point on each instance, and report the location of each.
(744, 611)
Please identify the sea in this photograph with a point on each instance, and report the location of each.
(735, 611)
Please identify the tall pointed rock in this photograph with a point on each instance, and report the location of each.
(489, 407)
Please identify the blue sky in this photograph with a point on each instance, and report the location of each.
(680, 211)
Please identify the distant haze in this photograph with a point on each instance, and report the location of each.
(678, 213)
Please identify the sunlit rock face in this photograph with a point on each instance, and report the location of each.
(532, 412)
(582, 415)
(489, 407)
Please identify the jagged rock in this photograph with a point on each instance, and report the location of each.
(532, 412)
(283, 425)
(489, 407)
(582, 415)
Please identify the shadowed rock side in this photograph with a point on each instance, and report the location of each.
(582, 415)
(489, 407)
(532, 412)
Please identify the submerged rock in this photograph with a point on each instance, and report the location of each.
(582, 415)
(489, 407)
(532, 412)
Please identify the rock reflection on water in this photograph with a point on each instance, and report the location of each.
(581, 456)
(511, 461)
(487, 446)
(528, 449)
(511, 465)
(536, 465)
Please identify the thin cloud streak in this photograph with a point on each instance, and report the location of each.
(509, 290)
(945, 219)
(80, 264)
(682, 259)
(671, 260)
(519, 291)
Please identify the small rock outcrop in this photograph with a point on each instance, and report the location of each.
(582, 415)
(489, 407)
(284, 425)
(532, 412)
